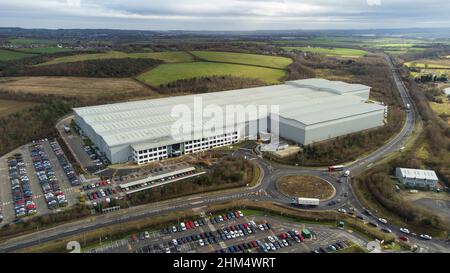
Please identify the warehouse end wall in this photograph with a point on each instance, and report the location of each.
(292, 130)
(332, 129)
(121, 154)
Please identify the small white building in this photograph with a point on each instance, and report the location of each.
(417, 178)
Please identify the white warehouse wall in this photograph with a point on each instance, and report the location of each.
(332, 129)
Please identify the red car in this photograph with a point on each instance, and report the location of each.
(403, 238)
(301, 238)
(283, 236)
(236, 214)
(191, 224)
(187, 225)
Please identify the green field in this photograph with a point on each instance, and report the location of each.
(8, 55)
(243, 58)
(45, 50)
(337, 51)
(167, 73)
(427, 65)
(167, 56)
(26, 41)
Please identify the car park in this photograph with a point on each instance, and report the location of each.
(45, 174)
(20, 187)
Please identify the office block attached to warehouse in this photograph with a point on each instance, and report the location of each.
(309, 111)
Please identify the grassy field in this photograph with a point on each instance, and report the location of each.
(167, 73)
(442, 109)
(26, 41)
(305, 186)
(242, 58)
(167, 56)
(395, 46)
(441, 63)
(338, 51)
(8, 107)
(8, 55)
(45, 50)
(72, 86)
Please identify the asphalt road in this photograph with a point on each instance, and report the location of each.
(265, 190)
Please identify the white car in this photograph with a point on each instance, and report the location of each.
(201, 243)
(271, 239)
(240, 213)
(174, 241)
(426, 236)
(405, 230)
(272, 246)
(342, 210)
(167, 250)
(261, 227)
(382, 220)
(146, 235)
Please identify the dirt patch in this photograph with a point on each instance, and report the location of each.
(305, 186)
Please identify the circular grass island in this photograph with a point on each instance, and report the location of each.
(305, 186)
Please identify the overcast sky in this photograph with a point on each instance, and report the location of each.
(224, 14)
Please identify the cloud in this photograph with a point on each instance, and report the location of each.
(374, 2)
(224, 14)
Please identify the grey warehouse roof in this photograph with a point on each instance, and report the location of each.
(309, 102)
(418, 174)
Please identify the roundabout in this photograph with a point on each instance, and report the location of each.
(305, 186)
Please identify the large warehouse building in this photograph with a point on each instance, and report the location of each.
(309, 111)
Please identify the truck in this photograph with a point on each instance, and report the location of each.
(307, 201)
(336, 168)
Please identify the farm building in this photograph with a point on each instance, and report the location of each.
(309, 110)
(417, 178)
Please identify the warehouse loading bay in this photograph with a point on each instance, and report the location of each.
(262, 234)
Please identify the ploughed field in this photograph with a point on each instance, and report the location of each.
(8, 107)
(72, 86)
